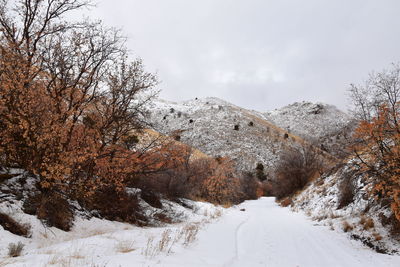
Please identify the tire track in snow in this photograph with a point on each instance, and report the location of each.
(236, 257)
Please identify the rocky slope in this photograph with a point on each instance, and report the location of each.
(219, 128)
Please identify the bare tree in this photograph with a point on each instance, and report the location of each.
(295, 168)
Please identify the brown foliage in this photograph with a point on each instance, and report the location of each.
(9, 224)
(68, 101)
(367, 223)
(182, 175)
(295, 169)
(221, 186)
(51, 207)
(377, 139)
(267, 188)
(250, 187)
(70, 111)
(112, 204)
(286, 202)
(54, 210)
(347, 227)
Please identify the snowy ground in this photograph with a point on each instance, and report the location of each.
(263, 234)
(320, 201)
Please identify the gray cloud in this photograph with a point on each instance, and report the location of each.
(260, 54)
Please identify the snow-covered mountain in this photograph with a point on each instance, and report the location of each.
(322, 124)
(219, 128)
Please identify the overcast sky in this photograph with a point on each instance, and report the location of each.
(259, 54)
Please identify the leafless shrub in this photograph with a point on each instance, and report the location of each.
(267, 188)
(116, 205)
(52, 208)
(294, 170)
(346, 190)
(9, 224)
(249, 186)
(15, 249)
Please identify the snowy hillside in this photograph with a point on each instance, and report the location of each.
(219, 128)
(319, 123)
(346, 205)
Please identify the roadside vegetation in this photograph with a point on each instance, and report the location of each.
(72, 114)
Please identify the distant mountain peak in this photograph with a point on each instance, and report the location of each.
(319, 123)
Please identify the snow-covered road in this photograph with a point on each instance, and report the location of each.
(268, 235)
(263, 234)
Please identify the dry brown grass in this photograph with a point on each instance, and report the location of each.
(59, 260)
(168, 239)
(216, 214)
(333, 215)
(377, 236)
(347, 227)
(286, 202)
(165, 240)
(150, 250)
(77, 254)
(320, 217)
(15, 249)
(367, 223)
(55, 259)
(125, 246)
(190, 232)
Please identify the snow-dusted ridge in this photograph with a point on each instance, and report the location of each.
(219, 128)
(319, 123)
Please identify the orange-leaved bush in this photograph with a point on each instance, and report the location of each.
(376, 143)
(69, 97)
(377, 148)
